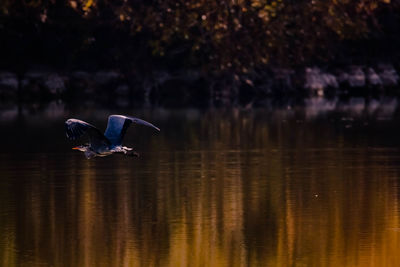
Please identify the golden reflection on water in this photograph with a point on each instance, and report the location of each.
(244, 197)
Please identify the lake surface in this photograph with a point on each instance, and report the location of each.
(288, 187)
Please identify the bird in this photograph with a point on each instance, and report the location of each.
(101, 145)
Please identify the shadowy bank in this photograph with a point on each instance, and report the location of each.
(196, 53)
(193, 88)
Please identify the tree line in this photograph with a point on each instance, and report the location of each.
(213, 36)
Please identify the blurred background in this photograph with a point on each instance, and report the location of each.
(279, 141)
(196, 53)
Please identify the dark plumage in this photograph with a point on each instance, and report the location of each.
(104, 144)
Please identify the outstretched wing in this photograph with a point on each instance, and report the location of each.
(117, 126)
(76, 128)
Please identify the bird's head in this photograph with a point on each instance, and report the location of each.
(80, 148)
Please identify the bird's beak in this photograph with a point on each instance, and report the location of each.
(76, 148)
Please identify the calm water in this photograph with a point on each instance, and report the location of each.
(213, 188)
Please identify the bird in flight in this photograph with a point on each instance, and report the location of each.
(101, 145)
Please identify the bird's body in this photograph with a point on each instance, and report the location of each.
(101, 145)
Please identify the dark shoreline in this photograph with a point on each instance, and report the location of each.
(190, 88)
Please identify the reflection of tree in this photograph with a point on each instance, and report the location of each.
(295, 193)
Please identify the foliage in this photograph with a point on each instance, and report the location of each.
(213, 35)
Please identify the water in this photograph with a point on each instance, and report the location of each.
(213, 188)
